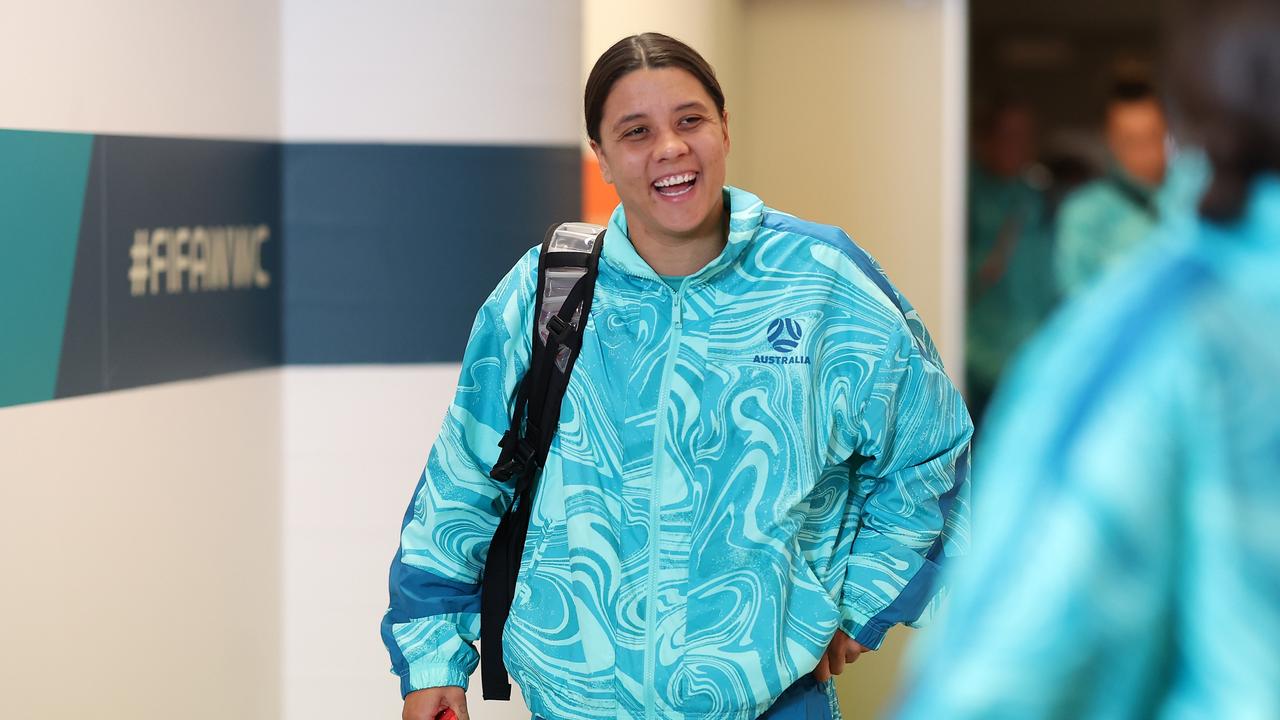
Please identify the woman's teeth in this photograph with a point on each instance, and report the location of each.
(674, 185)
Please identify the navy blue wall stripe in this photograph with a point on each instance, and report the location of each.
(392, 248)
(140, 311)
(170, 183)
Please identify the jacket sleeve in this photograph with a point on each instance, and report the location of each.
(1066, 606)
(910, 468)
(434, 613)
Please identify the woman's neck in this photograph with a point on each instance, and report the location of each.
(678, 256)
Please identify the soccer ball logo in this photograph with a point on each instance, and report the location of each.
(784, 334)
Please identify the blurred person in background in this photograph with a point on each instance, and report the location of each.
(1101, 222)
(1010, 288)
(1127, 488)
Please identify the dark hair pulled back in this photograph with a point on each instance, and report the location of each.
(1225, 78)
(644, 51)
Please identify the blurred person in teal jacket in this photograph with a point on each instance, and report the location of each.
(1103, 221)
(1127, 492)
(1010, 282)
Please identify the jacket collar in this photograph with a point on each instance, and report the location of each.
(745, 214)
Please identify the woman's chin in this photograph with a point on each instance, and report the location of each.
(686, 218)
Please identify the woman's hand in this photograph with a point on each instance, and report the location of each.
(843, 649)
(430, 703)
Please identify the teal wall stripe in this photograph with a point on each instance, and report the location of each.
(42, 191)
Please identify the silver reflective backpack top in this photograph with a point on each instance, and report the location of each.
(578, 238)
(573, 237)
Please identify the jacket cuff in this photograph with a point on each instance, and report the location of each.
(428, 675)
(865, 630)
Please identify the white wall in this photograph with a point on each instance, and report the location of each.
(356, 439)
(141, 67)
(140, 531)
(140, 553)
(446, 71)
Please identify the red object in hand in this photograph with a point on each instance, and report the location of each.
(447, 715)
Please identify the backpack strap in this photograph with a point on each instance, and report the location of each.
(567, 269)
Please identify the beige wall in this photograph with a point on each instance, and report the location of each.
(849, 118)
(140, 553)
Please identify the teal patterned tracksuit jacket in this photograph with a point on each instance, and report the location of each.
(745, 462)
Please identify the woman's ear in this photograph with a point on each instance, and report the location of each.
(724, 128)
(600, 160)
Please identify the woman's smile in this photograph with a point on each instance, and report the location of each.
(676, 186)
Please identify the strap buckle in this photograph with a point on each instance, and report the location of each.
(517, 454)
(559, 329)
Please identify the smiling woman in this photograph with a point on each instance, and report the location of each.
(760, 466)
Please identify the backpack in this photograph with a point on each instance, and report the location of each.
(567, 271)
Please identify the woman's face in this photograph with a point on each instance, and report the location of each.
(663, 146)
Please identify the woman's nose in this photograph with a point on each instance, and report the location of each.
(671, 146)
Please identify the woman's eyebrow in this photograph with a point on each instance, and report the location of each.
(628, 118)
(691, 105)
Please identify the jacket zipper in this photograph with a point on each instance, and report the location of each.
(659, 439)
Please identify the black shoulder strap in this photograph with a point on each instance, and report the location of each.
(567, 269)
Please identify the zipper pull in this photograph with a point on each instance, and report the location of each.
(679, 313)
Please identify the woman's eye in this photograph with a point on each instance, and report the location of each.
(690, 121)
(635, 132)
